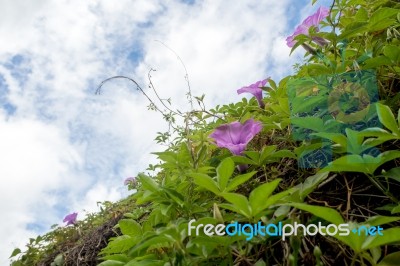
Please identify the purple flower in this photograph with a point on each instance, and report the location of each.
(303, 28)
(70, 218)
(235, 136)
(129, 180)
(256, 90)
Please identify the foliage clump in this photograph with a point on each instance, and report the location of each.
(79, 244)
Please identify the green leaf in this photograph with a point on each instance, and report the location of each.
(318, 69)
(224, 172)
(328, 214)
(396, 209)
(266, 152)
(392, 52)
(380, 19)
(238, 180)
(393, 173)
(148, 262)
(15, 252)
(348, 163)
(260, 194)
(335, 137)
(233, 208)
(362, 14)
(148, 183)
(275, 198)
(161, 240)
(377, 61)
(239, 201)
(355, 139)
(365, 164)
(387, 207)
(117, 257)
(390, 260)
(120, 244)
(311, 183)
(306, 104)
(284, 154)
(353, 29)
(130, 227)
(381, 134)
(387, 118)
(111, 263)
(313, 123)
(376, 253)
(353, 241)
(58, 260)
(243, 160)
(175, 196)
(387, 156)
(273, 84)
(206, 182)
(166, 156)
(391, 235)
(253, 155)
(380, 220)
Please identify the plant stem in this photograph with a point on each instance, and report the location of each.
(381, 188)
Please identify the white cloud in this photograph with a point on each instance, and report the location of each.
(36, 159)
(64, 145)
(224, 47)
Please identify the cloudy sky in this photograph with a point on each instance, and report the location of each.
(62, 148)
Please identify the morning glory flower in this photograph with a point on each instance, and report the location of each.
(130, 180)
(311, 21)
(256, 90)
(70, 218)
(235, 136)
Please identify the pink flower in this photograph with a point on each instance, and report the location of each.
(256, 90)
(130, 180)
(311, 21)
(70, 218)
(235, 136)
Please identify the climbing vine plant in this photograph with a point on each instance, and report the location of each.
(318, 150)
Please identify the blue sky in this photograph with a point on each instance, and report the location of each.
(63, 148)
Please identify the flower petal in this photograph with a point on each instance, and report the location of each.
(70, 218)
(311, 21)
(235, 136)
(227, 133)
(236, 149)
(250, 129)
(257, 92)
(255, 89)
(289, 41)
(129, 180)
